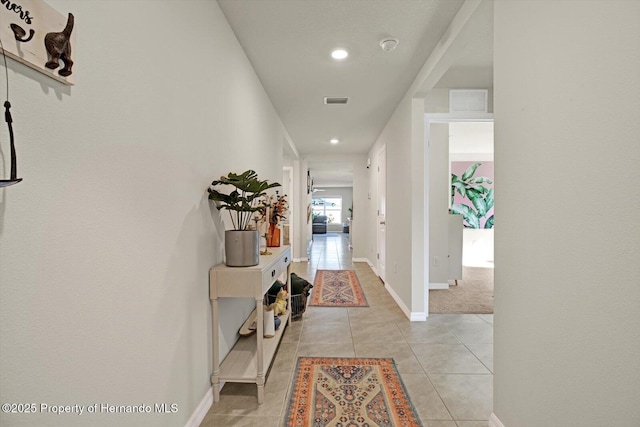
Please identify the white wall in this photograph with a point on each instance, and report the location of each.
(477, 247)
(439, 195)
(105, 246)
(567, 292)
(302, 225)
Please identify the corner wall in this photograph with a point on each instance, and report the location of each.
(406, 205)
(567, 108)
(105, 246)
(439, 195)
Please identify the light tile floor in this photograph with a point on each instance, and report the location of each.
(446, 363)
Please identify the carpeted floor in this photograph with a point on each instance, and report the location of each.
(332, 391)
(473, 295)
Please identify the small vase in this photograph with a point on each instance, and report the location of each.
(269, 325)
(273, 237)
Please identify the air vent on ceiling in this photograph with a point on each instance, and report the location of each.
(331, 100)
(468, 101)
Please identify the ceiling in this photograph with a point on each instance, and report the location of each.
(289, 43)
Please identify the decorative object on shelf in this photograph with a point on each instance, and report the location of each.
(13, 178)
(58, 45)
(300, 291)
(280, 305)
(40, 37)
(308, 182)
(275, 209)
(269, 322)
(242, 244)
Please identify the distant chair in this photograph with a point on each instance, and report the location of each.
(320, 224)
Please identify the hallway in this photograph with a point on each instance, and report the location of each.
(446, 363)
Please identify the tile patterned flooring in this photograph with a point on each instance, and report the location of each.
(446, 363)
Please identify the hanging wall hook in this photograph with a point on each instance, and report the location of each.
(20, 33)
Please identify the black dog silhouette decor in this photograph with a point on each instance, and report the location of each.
(58, 47)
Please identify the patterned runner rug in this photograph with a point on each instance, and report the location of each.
(331, 391)
(337, 288)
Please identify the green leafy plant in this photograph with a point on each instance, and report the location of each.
(481, 197)
(243, 201)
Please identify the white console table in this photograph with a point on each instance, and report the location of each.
(251, 356)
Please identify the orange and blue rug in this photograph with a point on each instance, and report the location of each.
(332, 391)
(337, 288)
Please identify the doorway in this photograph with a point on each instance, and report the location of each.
(463, 153)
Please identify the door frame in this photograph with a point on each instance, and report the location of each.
(381, 272)
(288, 174)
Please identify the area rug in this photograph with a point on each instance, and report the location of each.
(337, 288)
(346, 392)
(473, 295)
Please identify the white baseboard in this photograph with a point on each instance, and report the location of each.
(361, 260)
(413, 317)
(494, 421)
(300, 259)
(433, 286)
(202, 409)
(418, 316)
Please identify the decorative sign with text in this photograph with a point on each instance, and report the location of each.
(40, 37)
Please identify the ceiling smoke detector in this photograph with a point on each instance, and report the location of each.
(389, 44)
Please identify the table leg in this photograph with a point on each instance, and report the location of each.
(215, 378)
(287, 321)
(260, 355)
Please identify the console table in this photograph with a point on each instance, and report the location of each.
(251, 356)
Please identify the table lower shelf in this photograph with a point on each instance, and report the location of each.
(241, 365)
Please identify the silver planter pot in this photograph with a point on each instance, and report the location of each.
(242, 248)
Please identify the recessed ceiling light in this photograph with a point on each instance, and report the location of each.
(334, 141)
(339, 54)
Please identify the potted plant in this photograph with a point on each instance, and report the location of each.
(242, 244)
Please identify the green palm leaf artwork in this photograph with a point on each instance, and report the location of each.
(477, 198)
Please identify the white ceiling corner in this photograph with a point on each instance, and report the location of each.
(289, 42)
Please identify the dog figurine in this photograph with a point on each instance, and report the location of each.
(280, 306)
